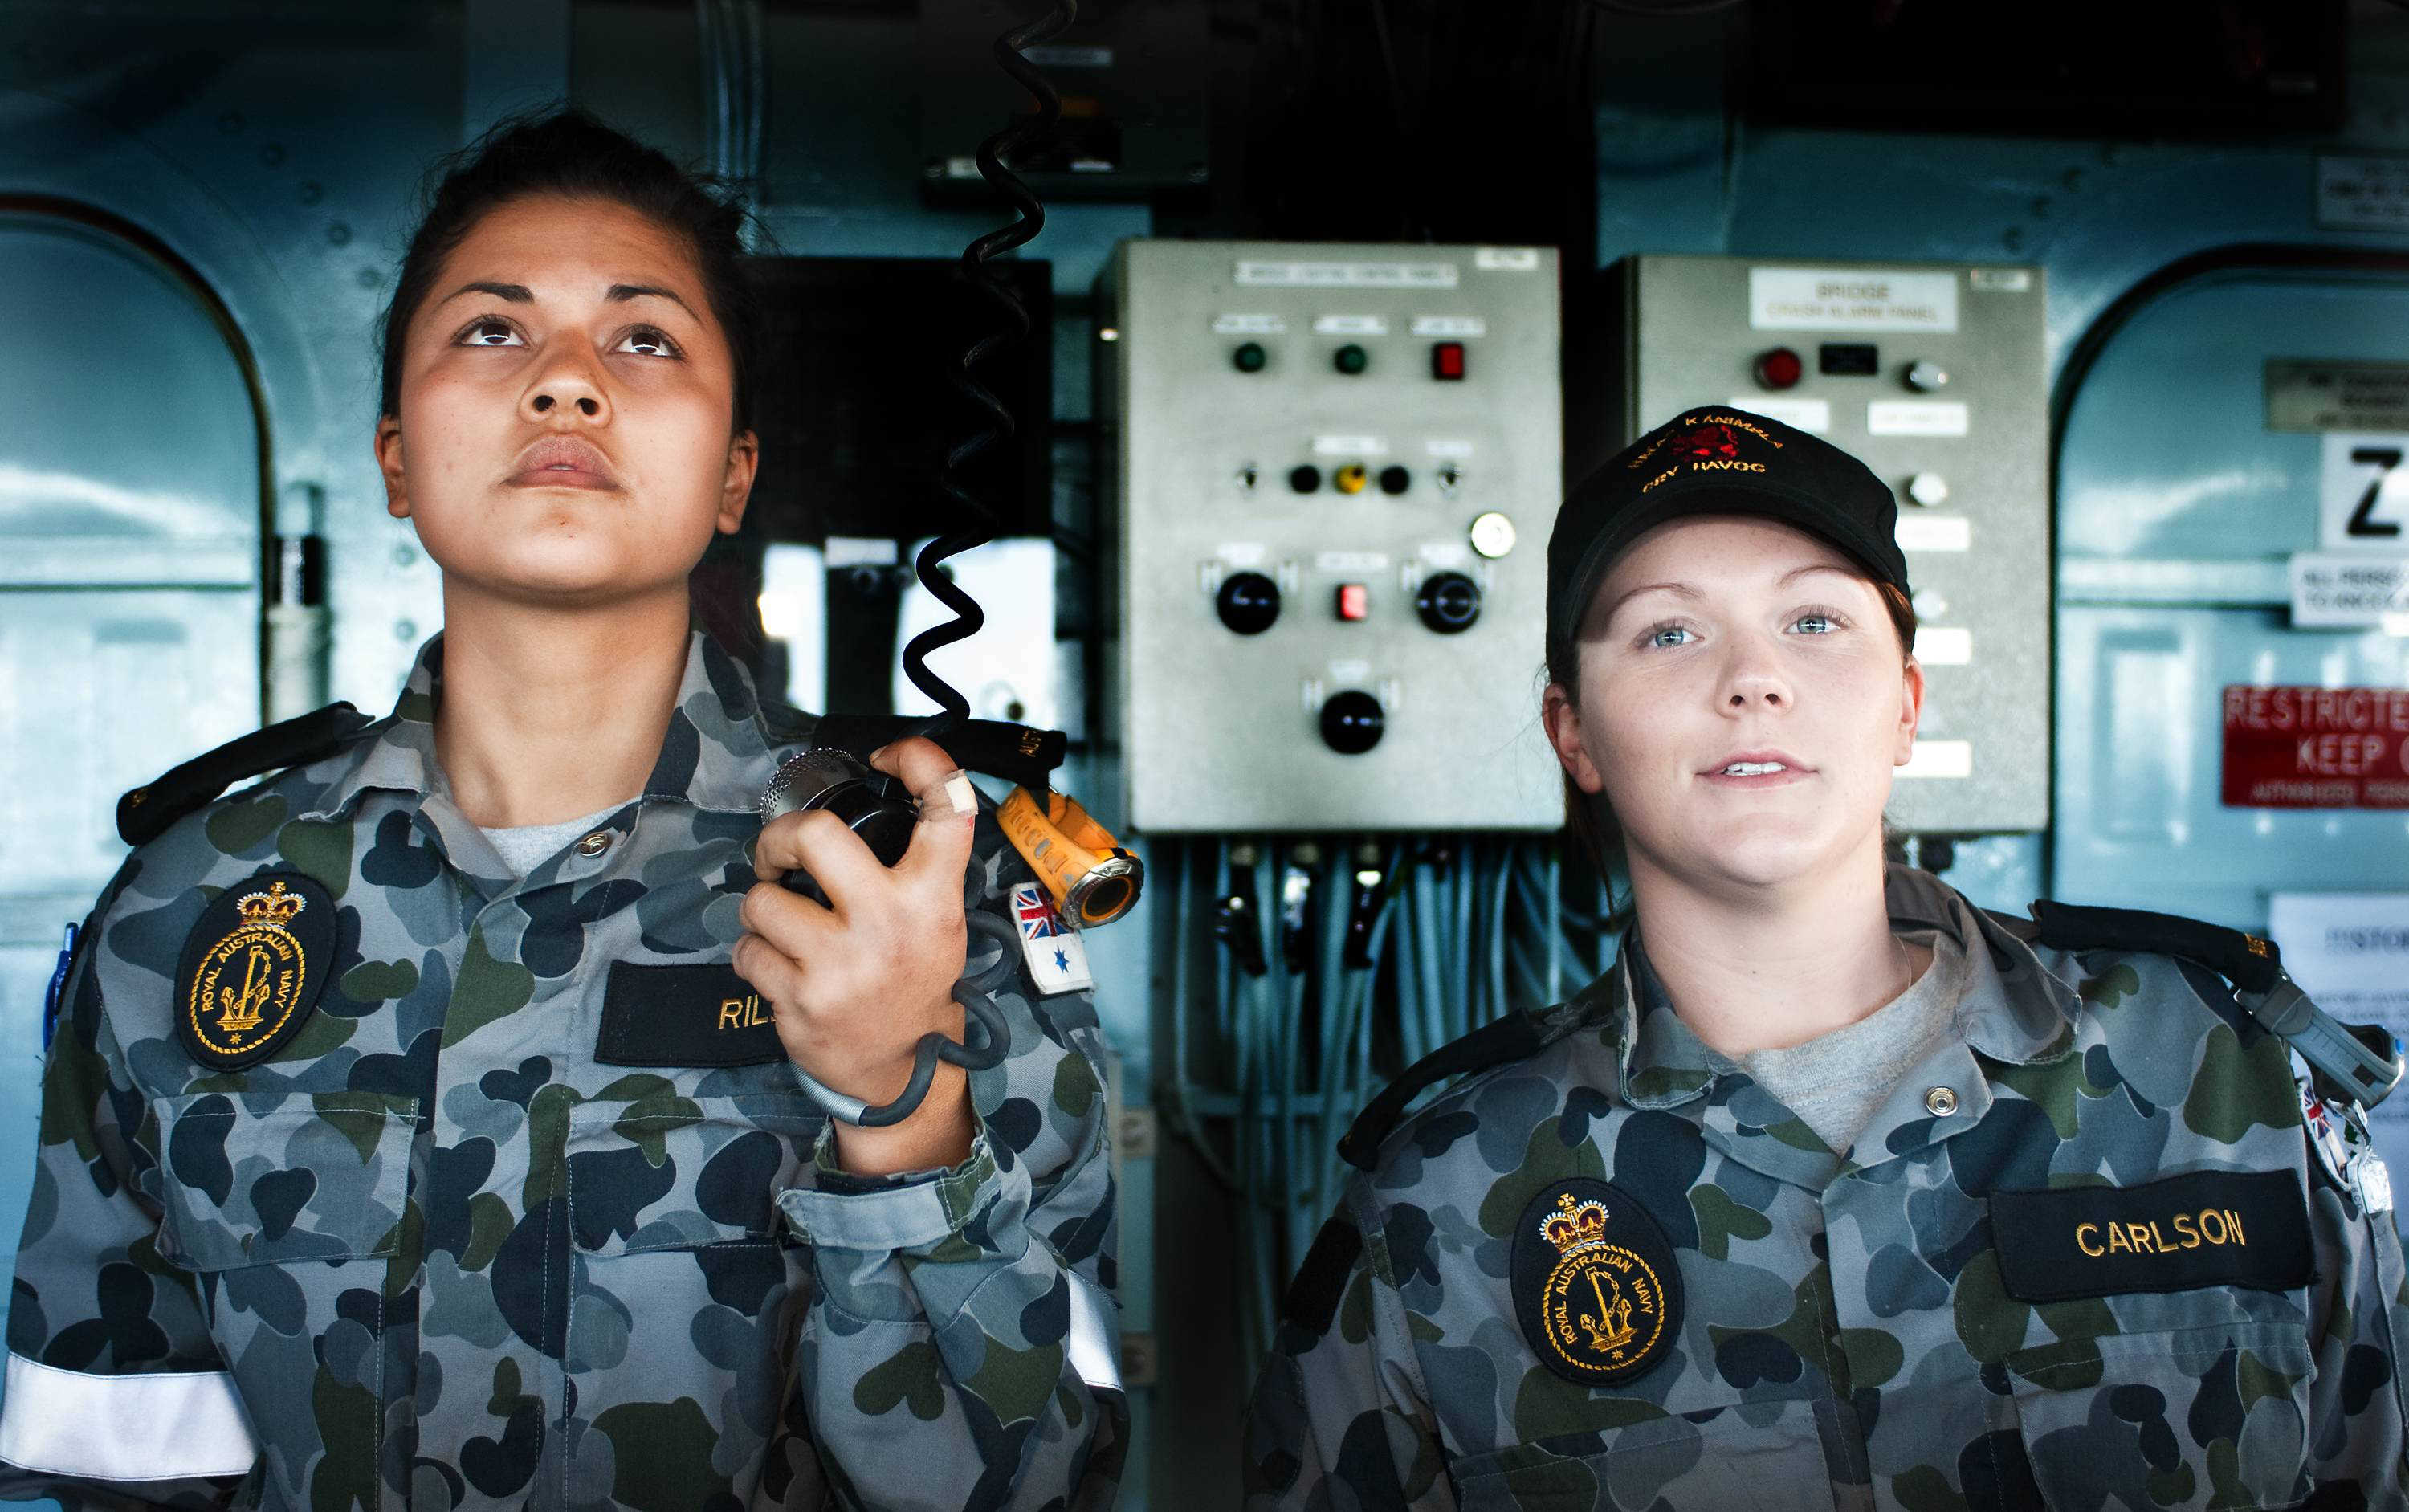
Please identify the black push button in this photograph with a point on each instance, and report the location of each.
(1248, 603)
(1448, 602)
(1351, 722)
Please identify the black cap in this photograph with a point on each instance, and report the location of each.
(1717, 460)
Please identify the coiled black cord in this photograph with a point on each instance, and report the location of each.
(988, 1035)
(980, 521)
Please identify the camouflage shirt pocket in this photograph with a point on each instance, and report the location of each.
(276, 1179)
(2209, 1416)
(676, 1172)
(1717, 1457)
(684, 1281)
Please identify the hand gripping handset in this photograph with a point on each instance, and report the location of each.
(873, 807)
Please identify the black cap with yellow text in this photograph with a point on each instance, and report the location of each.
(1717, 460)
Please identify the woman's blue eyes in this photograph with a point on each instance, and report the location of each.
(643, 335)
(1658, 638)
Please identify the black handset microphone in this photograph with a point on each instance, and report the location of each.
(874, 807)
(867, 799)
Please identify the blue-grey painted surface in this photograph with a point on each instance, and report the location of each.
(244, 139)
(129, 549)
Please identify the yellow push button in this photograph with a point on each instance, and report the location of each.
(1351, 479)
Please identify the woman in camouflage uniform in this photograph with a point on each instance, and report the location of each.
(1837, 1190)
(422, 1129)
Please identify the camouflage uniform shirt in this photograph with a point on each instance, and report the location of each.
(433, 1253)
(1858, 1329)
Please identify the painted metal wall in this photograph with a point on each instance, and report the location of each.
(276, 151)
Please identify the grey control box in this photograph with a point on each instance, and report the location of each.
(1935, 375)
(1335, 466)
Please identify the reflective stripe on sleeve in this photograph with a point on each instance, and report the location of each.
(1090, 1348)
(161, 1426)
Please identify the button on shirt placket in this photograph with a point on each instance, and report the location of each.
(1901, 1204)
(1898, 1158)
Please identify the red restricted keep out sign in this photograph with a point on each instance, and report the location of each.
(2317, 748)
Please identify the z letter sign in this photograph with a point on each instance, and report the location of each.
(2363, 493)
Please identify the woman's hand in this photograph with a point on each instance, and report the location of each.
(853, 986)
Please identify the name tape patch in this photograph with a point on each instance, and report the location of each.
(684, 1015)
(253, 967)
(2208, 1229)
(1595, 1286)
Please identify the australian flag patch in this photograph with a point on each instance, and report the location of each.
(1058, 961)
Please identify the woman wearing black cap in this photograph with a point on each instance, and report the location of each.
(1836, 1191)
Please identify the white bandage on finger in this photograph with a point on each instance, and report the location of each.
(952, 796)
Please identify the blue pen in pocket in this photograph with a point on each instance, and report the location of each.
(58, 985)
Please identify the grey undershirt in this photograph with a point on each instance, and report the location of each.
(525, 846)
(1834, 1082)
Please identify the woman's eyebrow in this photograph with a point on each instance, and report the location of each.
(1683, 589)
(519, 294)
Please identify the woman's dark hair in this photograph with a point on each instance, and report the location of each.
(1591, 819)
(566, 150)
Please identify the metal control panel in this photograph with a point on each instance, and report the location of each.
(1935, 375)
(1337, 465)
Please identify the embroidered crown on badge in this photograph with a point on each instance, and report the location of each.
(275, 907)
(1574, 1225)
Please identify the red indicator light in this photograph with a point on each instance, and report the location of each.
(1446, 362)
(1354, 601)
(1779, 367)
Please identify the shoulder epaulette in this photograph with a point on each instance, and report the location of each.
(785, 722)
(1019, 753)
(2359, 1062)
(145, 813)
(1493, 1043)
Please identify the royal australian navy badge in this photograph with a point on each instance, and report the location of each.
(1595, 1287)
(253, 969)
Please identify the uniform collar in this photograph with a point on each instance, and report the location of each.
(2016, 1012)
(712, 757)
(2013, 1012)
